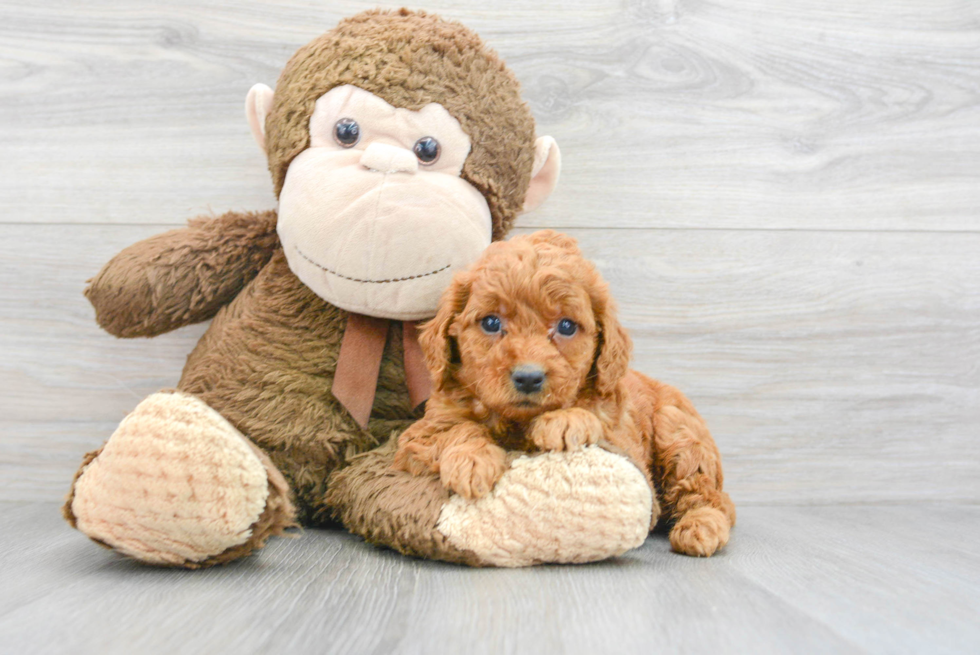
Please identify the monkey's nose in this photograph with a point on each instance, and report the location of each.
(384, 158)
(527, 378)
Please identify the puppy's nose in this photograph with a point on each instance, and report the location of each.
(527, 378)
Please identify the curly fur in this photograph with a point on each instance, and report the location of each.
(475, 413)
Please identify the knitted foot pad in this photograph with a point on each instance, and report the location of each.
(175, 484)
(582, 506)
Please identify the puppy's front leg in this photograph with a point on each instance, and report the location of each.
(463, 454)
(565, 429)
(418, 448)
(470, 463)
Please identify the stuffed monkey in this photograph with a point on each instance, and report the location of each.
(399, 148)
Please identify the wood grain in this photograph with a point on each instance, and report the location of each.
(793, 580)
(784, 198)
(831, 367)
(807, 114)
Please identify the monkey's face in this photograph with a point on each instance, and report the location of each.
(374, 216)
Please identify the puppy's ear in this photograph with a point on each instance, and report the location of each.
(613, 349)
(438, 346)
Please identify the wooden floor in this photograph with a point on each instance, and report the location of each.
(855, 579)
(785, 199)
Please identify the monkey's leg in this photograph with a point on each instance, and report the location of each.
(580, 506)
(177, 485)
(687, 467)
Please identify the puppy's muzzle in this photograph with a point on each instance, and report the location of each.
(527, 378)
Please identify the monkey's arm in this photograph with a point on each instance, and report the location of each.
(183, 276)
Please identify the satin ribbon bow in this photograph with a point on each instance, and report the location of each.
(355, 381)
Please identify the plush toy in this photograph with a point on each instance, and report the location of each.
(399, 148)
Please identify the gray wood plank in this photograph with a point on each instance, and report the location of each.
(45, 273)
(890, 579)
(793, 580)
(812, 114)
(831, 367)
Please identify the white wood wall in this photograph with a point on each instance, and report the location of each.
(785, 197)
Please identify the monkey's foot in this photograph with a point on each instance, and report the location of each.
(571, 507)
(178, 485)
(580, 506)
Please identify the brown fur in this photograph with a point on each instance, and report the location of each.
(266, 364)
(181, 276)
(532, 282)
(411, 59)
(389, 508)
(66, 510)
(267, 361)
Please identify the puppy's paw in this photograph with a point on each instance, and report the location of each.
(565, 429)
(471, 468)
(415, 458)
(700, 532)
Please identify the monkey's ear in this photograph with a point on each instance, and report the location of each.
(258, 104)
(544, 173)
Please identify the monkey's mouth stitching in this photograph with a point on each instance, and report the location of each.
(354, 279)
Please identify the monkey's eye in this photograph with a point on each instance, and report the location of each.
(347, 132)
(490, 324)
(566, 327)
(427, 150)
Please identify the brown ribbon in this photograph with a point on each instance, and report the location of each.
(416, 374)
(355, 381)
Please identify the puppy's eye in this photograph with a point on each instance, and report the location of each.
(347, 132)
(427, 150)
(566, 327)
(490, 324)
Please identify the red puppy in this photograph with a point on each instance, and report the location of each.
(527, 354)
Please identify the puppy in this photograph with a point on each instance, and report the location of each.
(526, 354)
